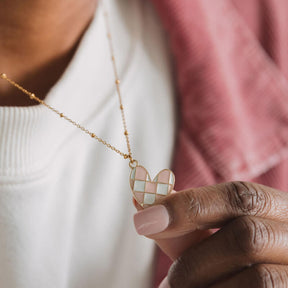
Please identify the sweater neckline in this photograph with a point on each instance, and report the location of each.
(30, 136)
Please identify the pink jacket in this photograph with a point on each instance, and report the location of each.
(231, 60)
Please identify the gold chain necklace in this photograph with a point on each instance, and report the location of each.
(145, 191)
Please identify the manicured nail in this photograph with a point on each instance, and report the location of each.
(151, 220)
(164, 283)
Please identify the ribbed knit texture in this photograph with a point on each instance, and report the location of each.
(16, 128)
(31, 136)
(232, 67)
(65, 207)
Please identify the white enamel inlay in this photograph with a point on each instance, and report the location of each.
(133, 174)
(162, 189)
(171, 179)
(149, 199)
(139, 186)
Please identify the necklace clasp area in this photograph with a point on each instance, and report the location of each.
(133, 163)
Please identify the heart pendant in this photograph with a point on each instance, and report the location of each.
(147, 192)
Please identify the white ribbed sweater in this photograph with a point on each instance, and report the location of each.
(65, 205)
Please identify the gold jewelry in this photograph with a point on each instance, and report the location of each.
(145, 191)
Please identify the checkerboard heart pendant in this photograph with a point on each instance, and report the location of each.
(147, 192)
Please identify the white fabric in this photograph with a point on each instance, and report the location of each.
(65, 204)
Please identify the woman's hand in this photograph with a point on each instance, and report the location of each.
(250, 249)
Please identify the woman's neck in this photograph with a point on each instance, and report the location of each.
(37, 41)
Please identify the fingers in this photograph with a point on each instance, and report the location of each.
(242, 242)
(213, 206)
(257, 276)
(174, 247)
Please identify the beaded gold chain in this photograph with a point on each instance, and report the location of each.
(32, 96)
(145, 190)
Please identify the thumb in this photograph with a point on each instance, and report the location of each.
(174, 246)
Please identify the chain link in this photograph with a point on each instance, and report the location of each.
(32, 96)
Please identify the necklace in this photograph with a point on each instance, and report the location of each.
(145, 191)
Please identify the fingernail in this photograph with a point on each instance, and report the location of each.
(164, 283)
(151, 220)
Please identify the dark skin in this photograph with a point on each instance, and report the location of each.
(250, 250)
(38, 40)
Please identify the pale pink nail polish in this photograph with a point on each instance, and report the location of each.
(151, 220)
(164, 283)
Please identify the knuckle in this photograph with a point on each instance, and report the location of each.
(251, 236)
(179, 273)
(246, 198)
(192, 205)
(264, 277)
(267, 276)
